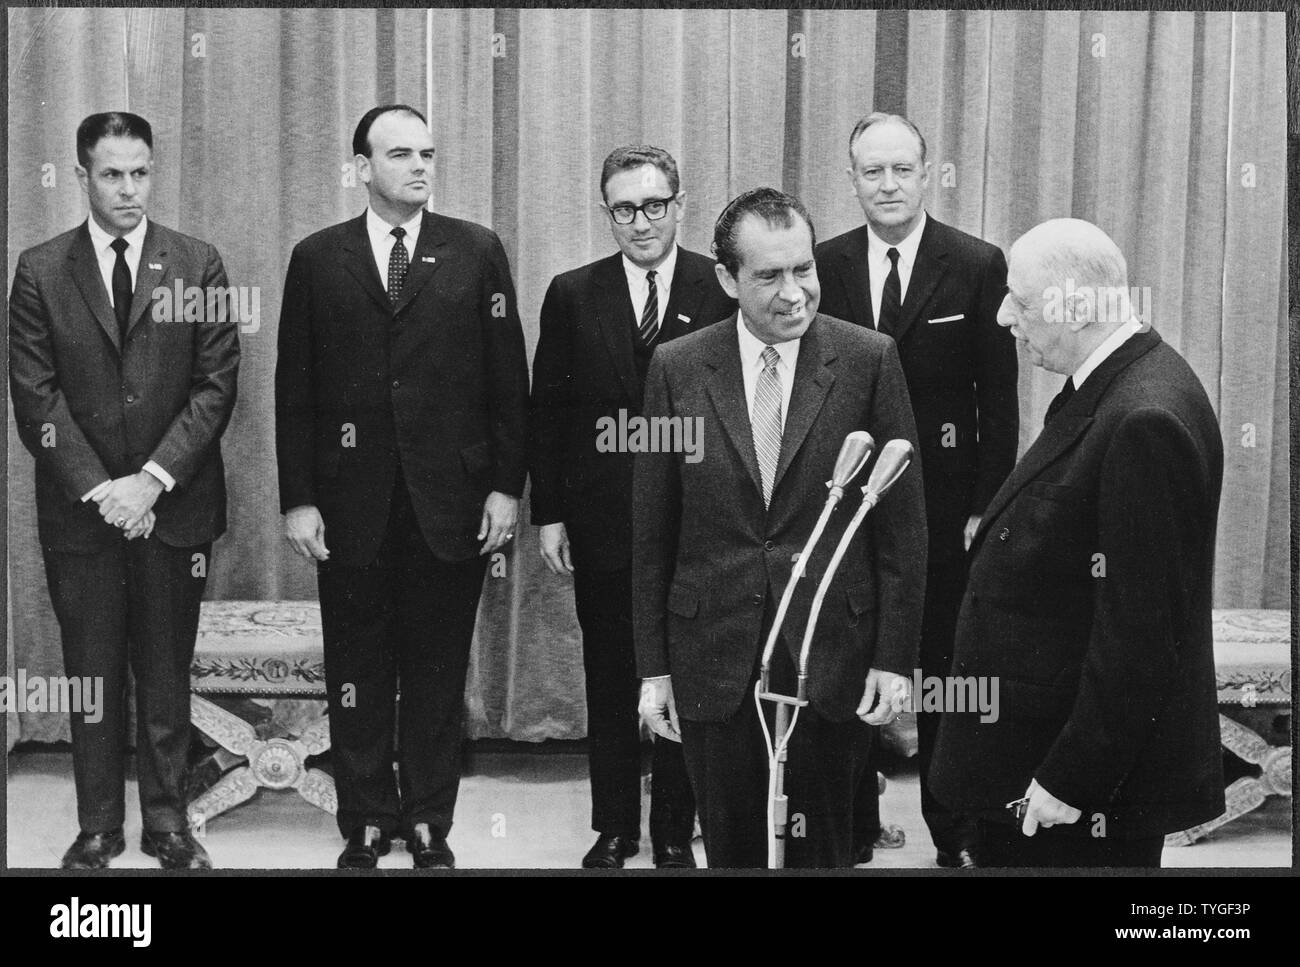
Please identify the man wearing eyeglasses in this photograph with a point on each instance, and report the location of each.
(600, 325)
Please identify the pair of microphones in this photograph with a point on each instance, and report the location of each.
(894, 459)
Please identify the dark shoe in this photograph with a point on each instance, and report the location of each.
(961, 859)
(670, 856)
(365, 845)
(610, 851)
(175, 851)
(863, 854)
(428, 847)
(92, 851)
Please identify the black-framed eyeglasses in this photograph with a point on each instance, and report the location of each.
(653, 209)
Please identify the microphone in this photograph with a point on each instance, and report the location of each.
(894, 458)
(854, 453)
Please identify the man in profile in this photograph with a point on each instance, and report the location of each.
(935, 290)
(123, 403)
(401, 404)
(1091, 583)
(600, 325)
(776, 389)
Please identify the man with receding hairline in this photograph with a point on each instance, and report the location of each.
(401, 405)
(1091, 584)
(935, 290)
(123, 404)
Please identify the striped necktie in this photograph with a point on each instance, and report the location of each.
(767, 421)
(648, 331)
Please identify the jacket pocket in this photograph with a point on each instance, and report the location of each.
(683, 601)
(861, 599)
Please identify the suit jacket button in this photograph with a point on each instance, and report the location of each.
(130, 397)
(769, 546)
(1006, 532)
(757, 599)
(397, 383)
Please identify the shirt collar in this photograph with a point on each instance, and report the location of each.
(877, 247)
(1108, 346)
(101, 240)
(663, 274)
(380, 231)
(751, 347)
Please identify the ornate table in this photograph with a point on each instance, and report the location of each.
(1252, 668)
(272, 653)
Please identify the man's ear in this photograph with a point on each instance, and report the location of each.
(1080, 309)
(680, 202)
(363, 168)
(726, 281)
(83, 179)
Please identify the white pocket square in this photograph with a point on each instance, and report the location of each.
(960, 315)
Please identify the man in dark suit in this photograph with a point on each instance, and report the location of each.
(122, 399)
(401, 413)
(599, 326)
(1091, 584)
(936, 291)
(773, 393)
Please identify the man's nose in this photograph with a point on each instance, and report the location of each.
(887, 180)
(790, 290)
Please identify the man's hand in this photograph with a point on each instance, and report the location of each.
(128, 499)
(500, 515)
(972, 525)
(141, 528)
(657, 708)
(1045, 810)
(305, 531)
(554, 541)
(893, 691)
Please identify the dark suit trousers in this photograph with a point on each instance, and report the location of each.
(604, 604)
(405, 616)
(135, 603)
(1004, 845)
(727, 763)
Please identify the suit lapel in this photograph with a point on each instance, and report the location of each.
(430, 253)
(614, 317)
(85, 273)
(726, 388)
(359, 261)
(153, 265)
(1067, 426)
(683, 300)
(813, 378)
(929, 269)
(857, 273)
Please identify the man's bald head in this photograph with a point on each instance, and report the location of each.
(1068, 290)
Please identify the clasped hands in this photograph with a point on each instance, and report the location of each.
(126, 503)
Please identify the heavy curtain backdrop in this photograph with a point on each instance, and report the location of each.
(1167, 129)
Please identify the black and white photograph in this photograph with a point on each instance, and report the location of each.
(703, 440)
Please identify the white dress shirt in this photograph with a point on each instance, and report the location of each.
(751, 365)
(1111, 343)
(638, 285)
(878, 263)
(382, 240)
(102, 242)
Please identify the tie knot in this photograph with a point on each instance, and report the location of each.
(398, 233)
(892, 254)
(120, 245)
(650, 277)
(770, 358)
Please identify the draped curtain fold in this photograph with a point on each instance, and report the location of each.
(1167, 129)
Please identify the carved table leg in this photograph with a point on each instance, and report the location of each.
(234, 787)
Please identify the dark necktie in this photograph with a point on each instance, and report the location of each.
(649, 328)
(121, 288)
(891, 299)
(398, 263)
(1059, 400)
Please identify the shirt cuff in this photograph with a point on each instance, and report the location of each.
(96, 491)
(657, 678)
(166, 479)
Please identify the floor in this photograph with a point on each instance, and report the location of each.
(517, 809)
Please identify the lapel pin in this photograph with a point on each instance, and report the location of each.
(428, 258)
(685, 319)
(155, 266)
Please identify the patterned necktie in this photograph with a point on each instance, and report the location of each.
(1059, 400)
(398, 263)
(121, 288)
(648, 331)
(767, 421)
(891, 299)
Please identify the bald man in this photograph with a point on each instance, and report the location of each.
(1091, 581)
